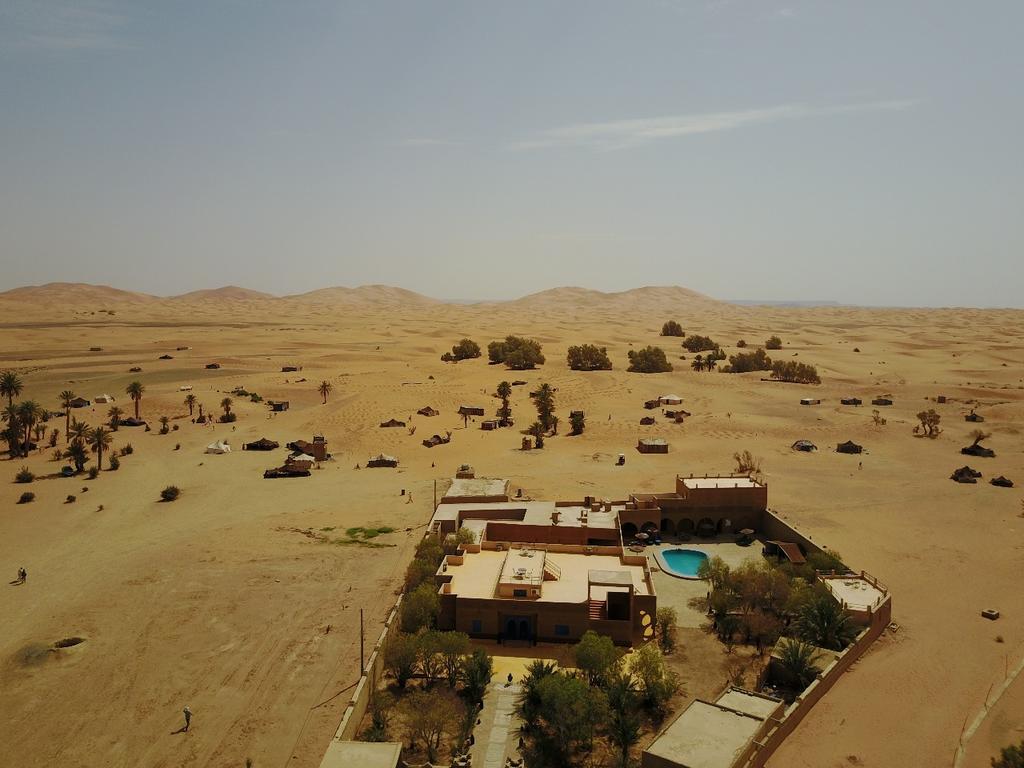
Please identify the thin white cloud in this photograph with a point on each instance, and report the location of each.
(622, 134)
(62, 25)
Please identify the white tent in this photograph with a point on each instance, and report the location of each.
(302, 457)
(185, 388)
(220, 446)
(103, 399)
(671, 400)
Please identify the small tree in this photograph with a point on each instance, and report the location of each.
(544, 399)
(747, 463)
(588, 357)
(428, 716)
(325, 389)
(516, 352)
(666, 619)
(741, 343)
(577, 422)
(476, 672)
(420, 608)
(1010, 757)
(428, 654)
(773, 342)
(798, 663)
(672, 328)
(699, 344)
(135, 391)
(99, 440)
(657, 684)
(165, 425)
(623, 725)
(597, 657)
(77, 453)
(698, 363)
(114, 415)
(744, 362)
(648, 360)
(537, 431)
(466, 349)
(381, 706)
(823, 623)
(401, 654)
(929, 423)
(452, 646)
(504, 391)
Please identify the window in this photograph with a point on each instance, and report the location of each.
(518, 593)
(476, 627)
(562, 630)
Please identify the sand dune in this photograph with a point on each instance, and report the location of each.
(216, 600)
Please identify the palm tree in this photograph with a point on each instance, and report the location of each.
(29, 413)
(226, 405)
(823, 623)
(798, 662)
(10, 386)
(623, 725)
(65, 400)
(698, 363)
(528, 705)
(537, 430)
(135, 390)
(115, 414)
(325, 389)
(100, 439)
(190, 401)
(76, 452)
(710, 363)
(504, 392)
(79, 429)
(545, 402)
(164, 428)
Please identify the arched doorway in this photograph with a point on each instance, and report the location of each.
(667, 526)
(685, 526)
(629, 530)
(725, 525)
(649, 527)
(706, 527)
(524, 629)
(510, 630)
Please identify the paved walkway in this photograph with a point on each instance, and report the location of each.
(497, 735)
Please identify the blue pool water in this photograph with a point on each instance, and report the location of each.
(683, 562)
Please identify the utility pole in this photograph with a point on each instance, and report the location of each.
(362, 663)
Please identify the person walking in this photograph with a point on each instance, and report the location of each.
(188, 717)
(22, 575)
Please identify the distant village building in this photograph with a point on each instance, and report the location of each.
(263, 444)
(652, 445)
(470, 410)
(851, 401)
(103, 399)
(79, 402)
(317, 449)
(670, 400)
(278, 406)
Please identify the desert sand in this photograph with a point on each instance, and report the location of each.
(221, 601)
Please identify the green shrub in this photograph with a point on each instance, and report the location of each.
(790, 370)
(741, 343)
(699, 344)
(648, 360)
(26, 497)
(115, 463)
(773, 342)
(70, 499)
(465, 350)
(228, 418)
(170, 493)
(127, 450)
(24, 476)
(588, 357)
(94, 472)
(672, 328)
(744, 362)
(516, 352)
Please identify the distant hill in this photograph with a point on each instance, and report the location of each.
(228, 292)
(375, 295)
(650, 297)
(75, 293)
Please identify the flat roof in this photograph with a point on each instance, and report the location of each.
(720, 482)
(752, 703)
(477, 486)
(706, 735)
(523, 565)
(854, 591)
(362, 754)
(526, 513)
(479, 573)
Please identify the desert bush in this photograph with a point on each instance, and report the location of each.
(71, 499)
(578, 422)
(799, 373)
(228, 418)
(27, 497)
(447, 357)
(127, 450)
(773, 342)
(648, 360)
(174, 428)
(744, 362)
(699, 344)
(741, 343)
(747, 463)
(57, 455)
(170, 493)
(672, 328)
(466, 349)
(115, 463)
(24, 476)
(588, 357)
(94, 472)
(516, 352)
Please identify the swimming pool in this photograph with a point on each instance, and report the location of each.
(682, 562)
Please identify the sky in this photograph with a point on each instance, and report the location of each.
(865, 152)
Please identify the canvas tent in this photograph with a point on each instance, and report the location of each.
(427, 411)
(804, 445)
(263, 444)
(849, 447)
(221, 446)
(671, 400)
(103, 399)
(382, 460)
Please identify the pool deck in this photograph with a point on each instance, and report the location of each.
(659, 558)
(676, 592)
